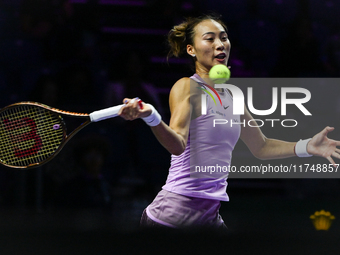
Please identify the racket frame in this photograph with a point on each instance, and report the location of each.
(66, 137)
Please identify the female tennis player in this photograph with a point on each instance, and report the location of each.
(186, 200)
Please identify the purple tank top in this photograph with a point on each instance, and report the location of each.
(202, 169)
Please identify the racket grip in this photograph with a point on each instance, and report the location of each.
(105, 113)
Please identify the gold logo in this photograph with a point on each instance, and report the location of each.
(322, 220)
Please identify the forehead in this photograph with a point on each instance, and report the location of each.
(208, 26)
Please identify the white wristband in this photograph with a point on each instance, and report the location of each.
(301, 148)
(154, 118)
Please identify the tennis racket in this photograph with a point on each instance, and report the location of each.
(31, 134)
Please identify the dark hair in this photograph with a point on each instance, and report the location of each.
(183, 34)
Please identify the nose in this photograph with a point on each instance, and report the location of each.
(220, 45)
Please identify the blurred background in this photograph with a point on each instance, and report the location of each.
(84, 55)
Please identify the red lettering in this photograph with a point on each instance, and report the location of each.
(31, 135)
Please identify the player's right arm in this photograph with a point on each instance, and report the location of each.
(175, 136)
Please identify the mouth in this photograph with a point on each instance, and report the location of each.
(221, 57)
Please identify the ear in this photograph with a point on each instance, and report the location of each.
(191, 50)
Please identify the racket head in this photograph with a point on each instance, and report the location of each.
(31, 134)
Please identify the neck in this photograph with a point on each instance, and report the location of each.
(204, 74)
(202, 71)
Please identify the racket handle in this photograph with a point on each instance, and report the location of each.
(105, 113)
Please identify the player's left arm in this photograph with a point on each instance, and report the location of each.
(267, 148)
(261, 146)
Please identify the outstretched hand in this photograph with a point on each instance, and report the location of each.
(134, 109)
(322, 146)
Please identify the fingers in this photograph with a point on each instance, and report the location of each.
(326, 130)
(131, 109)
(140, 104)
(130, 100)
(332, 162)
(126, 100)
(336, 155)
(134, 101)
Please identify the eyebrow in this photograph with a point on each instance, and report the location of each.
(212, 33)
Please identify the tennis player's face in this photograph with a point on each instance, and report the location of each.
(211, 45)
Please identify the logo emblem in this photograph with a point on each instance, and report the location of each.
(322, 220)
(213, 90)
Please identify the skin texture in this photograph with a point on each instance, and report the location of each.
(210, 40)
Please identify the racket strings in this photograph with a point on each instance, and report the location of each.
(29, 135)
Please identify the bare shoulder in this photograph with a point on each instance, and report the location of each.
(180, 91)
(181, 86)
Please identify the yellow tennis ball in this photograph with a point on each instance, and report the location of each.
(219, 74)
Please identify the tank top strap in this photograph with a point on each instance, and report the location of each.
(197, 79)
